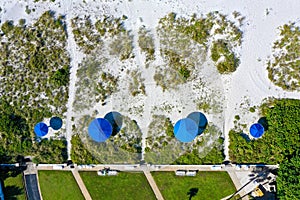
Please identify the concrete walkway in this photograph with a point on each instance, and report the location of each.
(81, 185)
(237, 184)
(153, 185)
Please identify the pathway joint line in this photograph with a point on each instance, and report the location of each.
(81, 185)
(153, 185)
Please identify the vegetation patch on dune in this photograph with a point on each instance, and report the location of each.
(34, 70)
(107, 32)
(163, 147)
(79, 154)
(284, 65)
(146, 43)
(215, 33)
(279, 140)
(124, 147)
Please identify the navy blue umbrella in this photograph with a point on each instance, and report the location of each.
(55, 123)
(116, 121)
(200, 120)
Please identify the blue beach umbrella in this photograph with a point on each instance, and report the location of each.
(55, 123)
(100, 130)
(257, 130)
(185, 130)
(200, 119)
(41, 129)
(116, 121)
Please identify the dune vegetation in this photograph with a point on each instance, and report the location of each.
(34, 70)
(279, 145)
(284, 65)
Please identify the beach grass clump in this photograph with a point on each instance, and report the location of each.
(110, 25)
(205, 149)
(124, 147)
(223, 56)
(85, 34)
(94, 83)
(119, 39)
(51, 151)
(213, 32)
(160, 133)
(284, 66)
(214, 156)
(146, 43)
(130, 136)
(106, 86)
(34, 70)
(121, 46)
(208, 101)
(80, 154)
(208, 148)
(136, 84)
(167, 78)
(108, 32)
(197, 29)
(178, 63)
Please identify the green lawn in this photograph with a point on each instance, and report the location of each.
(58, 185)
(206, 185)
(14, 188)
(124, 186)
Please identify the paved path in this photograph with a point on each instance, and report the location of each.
(153, 185)
(31, 180)
(237, 183)
(81, 185)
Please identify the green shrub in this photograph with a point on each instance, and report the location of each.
(215, 156)
(79, 154)
(252, 109)
(228, 63)
(279, 141)
(169, 128)
(237, 117)
(7, 26)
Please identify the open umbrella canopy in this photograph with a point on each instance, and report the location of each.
(41, 129)
(100, 130)
(116, 121)
(185, 130)
(257, 130)
(200, 119)
(55, 123)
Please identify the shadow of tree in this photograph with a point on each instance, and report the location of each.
(6, 172)
(11, 192)
(246, 137)
(192, 192)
